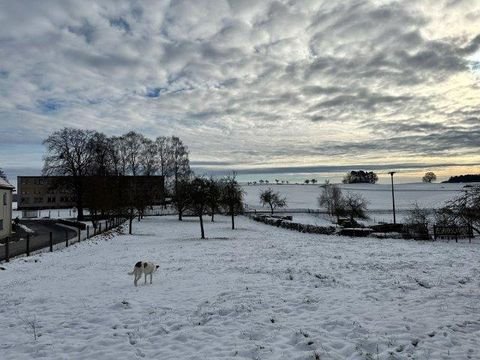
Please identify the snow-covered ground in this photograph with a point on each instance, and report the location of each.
(379, 196)
(258, 292)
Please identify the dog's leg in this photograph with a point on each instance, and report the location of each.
(145, 278)
(151, 275)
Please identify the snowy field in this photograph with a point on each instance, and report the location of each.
(259, 292)
(379, 197)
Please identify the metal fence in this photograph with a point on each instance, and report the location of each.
(453, 232)
(60, 236)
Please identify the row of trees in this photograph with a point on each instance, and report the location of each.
(199, 196)
(77, 153)
(278, 182)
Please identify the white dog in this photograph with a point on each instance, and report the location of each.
(143, 267)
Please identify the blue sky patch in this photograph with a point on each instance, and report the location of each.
(154, 92)
(121, 24)
(49, 105)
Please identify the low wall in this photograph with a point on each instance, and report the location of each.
(290, 225)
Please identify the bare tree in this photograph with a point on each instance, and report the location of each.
(181, 197)
(355, 207)
(148, 157)
(332, 199)
(180, 164)
(418, 215)
(429, 177)
(69, 153)
(133, 146)
(464, 210)
(3, 175)
(214, 196)
(272, 199)
(102, 163)
(163, 147)
(121, 154)
(199, 194)
(231, 197)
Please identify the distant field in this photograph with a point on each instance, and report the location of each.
(379, 196)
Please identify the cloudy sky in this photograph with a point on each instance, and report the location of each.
(247, 83)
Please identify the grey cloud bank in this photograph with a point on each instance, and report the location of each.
(243, 82)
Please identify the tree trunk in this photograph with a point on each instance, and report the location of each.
(201, 226)
(213, 216)
(179, 215)
(80, 216)
(130, 225)
(233, 218)
(271, 207)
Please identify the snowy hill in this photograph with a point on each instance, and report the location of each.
(258, 292)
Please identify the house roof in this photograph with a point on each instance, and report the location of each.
(6, 185)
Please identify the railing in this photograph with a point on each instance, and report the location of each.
(453, 232)
(63, 236)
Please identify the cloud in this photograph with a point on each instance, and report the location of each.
(248, 82)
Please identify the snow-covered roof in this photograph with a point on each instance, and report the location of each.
(5, 184)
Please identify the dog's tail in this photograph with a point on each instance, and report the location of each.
(130, 273)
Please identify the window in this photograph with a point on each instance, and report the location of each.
(38, 200)
(1, 224)
(4, 198)
(25, 200)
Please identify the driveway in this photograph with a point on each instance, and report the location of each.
(40, 239)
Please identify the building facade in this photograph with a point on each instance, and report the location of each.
(42, 192)
(54, 192)
(5, 209)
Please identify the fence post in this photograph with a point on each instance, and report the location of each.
(7, 249)
(88, 228)
(470, 233)
(79, 234)
(51, 241)
(99, 227)
(434, 232)
(28, 244)
(456, 234)
(66, 238)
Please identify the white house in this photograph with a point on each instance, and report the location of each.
(5, 208)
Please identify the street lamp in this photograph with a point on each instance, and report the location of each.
(393, 198)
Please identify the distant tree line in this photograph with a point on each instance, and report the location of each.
(360, 176)
(464, 178)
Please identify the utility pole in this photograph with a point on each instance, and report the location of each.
(393, 198)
